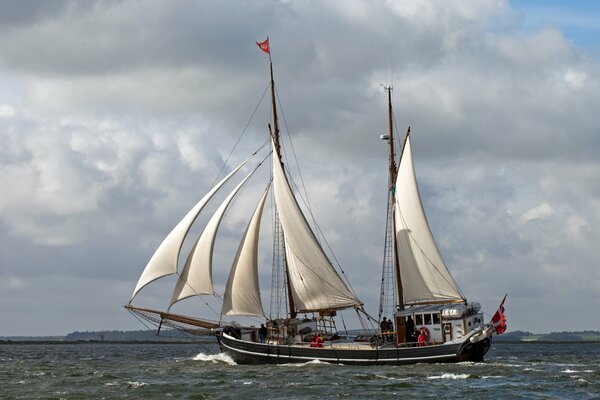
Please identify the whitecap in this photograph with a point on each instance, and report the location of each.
(392, 378)
(215, 358)
(569, 371)
(499, 364)
(304, 364)
(136, 384)
(317, 361)
(449, 376)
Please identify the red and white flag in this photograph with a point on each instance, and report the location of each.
(499, 319)
(264, 46)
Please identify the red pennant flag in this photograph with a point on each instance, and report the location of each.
(264, 46)
(499, 319)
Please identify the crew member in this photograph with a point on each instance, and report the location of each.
(262, 333)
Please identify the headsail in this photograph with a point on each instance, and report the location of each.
(164, 260)
(196, 276)
(314, 283)
(425, 277)
(242, 294)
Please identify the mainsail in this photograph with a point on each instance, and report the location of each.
(242, 294)
(196, 276)
(424, 275)
(314, 283)
(164, 260)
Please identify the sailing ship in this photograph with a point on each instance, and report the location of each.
(432, 320)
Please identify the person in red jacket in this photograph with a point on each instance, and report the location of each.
(423, 337)
(317, 341)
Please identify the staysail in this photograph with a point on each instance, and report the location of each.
(196, 276)
(424, 274)
(314, 283)
(242, 294)
(164, 260)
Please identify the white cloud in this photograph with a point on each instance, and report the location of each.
(575, 79)
(542, 211)
(118, 117)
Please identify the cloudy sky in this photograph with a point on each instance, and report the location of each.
(117, 116)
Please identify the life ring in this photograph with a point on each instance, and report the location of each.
(447, 328)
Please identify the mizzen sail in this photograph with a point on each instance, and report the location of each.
(425, 276)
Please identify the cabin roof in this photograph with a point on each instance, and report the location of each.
(425, 308)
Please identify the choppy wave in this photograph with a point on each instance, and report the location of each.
(215, 358)
(157, 371)
(135, 384)
(449, 376)
(304, 364)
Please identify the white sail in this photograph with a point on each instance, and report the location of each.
(422, 269)
(242, 294)
(164, 260)
(196, 276)
(315, 285)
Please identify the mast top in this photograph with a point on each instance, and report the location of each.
(264, 46)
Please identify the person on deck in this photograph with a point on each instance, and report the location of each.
(384, 327)
(390, 329)
(262, 333)
(423, 337)
(317, 341)
(410, 329)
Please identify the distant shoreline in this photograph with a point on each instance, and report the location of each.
(170, 336)
(71, 342)
(209, 341)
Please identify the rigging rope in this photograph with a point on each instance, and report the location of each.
(228, 207)
(242, 134)
(306, 200)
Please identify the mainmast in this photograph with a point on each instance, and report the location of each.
(392, 188)
(276, 139)
(275, 132)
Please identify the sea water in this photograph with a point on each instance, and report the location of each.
(193, 371)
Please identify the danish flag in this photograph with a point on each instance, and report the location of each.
(264, 46)
(499, 319)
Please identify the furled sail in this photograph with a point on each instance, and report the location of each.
(196, 276)
(164, 260)
(424, 275)
(314, 283)
(242, 294)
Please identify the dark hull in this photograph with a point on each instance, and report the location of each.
(244, 352)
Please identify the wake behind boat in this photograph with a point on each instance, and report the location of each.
(432, 320)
